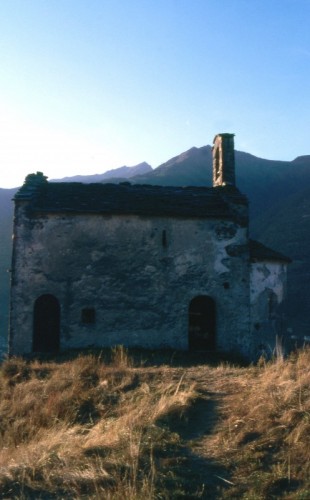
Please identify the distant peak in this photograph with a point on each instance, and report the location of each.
(302, 159)
(124, 172)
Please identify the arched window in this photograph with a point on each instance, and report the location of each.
(46, 324)
(202, 323)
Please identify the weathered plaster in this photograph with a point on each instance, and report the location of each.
(268, 275)
(140, 288)
(268, 289)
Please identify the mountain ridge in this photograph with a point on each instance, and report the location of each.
(123, 172)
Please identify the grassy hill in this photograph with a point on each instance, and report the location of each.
(156, 425)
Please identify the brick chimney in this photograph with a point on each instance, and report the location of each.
(223, 160)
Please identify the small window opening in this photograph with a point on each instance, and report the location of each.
(164, 238)
(88, 315)
(272, 305)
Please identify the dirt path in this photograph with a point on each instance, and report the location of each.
(199, 429)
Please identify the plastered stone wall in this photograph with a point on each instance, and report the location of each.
(268, 291)
(139, 274)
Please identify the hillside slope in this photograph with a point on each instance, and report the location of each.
(168, 426)
(6, 222)
(191, 168)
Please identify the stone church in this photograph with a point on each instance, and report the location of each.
(97, 265)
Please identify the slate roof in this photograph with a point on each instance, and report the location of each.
(125, 198)
(259, 252)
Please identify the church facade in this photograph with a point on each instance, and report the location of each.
(97, 265)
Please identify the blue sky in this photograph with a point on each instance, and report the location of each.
(90, 85)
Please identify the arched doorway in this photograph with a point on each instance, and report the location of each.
(46, 324)
(202, 323)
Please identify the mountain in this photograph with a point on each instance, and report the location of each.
(117, 173)
(191, 168)
(6, 221)
(279, 212)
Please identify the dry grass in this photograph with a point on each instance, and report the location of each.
(265, 435)
(92, 428)
(83, 427)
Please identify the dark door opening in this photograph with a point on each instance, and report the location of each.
(46, 324)
(202, 323)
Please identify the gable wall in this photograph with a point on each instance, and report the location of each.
(139, 285)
